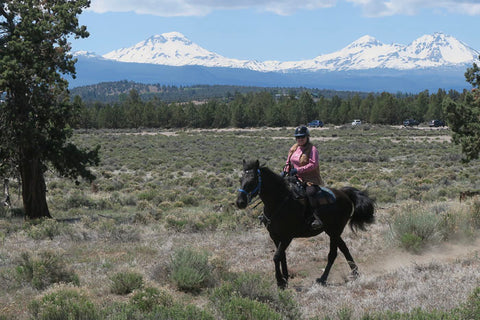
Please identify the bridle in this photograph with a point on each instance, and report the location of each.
(252, 194)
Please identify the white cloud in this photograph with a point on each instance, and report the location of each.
(169, 8)
(378, 8)
(372, 8)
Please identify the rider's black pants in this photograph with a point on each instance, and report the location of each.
(311, 192)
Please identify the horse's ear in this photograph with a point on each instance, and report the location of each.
(244, 164)
(257, 164)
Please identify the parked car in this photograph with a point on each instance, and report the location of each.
(410, 123)
(315, 124)
(437, 123)
(356, 122)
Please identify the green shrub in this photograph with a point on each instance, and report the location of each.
(122, 311)
(235, 294)
(190, 270)
(471, 309)
(77, 200)
(238, 308)
(344, 313)
(254, 286)
(143, 218)
(125, 282)
(287, 305)
(449, 225)
(46, 269)
(7, 227)
(149, 298)
(44, 229)
(177, 311)
(221, 215)
(181, 312)
(64, 304)
(475, 214)
(411, 242)
(147, 195)
(189, 200)
(3, 211)
(460, 223)
(112, 231)
(414, 229)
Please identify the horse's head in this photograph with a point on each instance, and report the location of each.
(250, 183)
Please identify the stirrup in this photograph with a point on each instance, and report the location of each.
(317, 224)
(264, 220)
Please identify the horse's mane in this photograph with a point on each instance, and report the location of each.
(267, 172)
(278, 180)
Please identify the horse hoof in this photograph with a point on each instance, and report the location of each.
(322, 282)
(354, 275)
(282, 284)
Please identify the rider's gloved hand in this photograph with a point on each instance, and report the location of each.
(292, 172)
(283, 174)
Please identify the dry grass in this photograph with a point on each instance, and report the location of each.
(122, 229)
(441, 277)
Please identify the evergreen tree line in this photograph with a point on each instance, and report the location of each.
(111, 92)
(262, 109)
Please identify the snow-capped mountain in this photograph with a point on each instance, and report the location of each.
(428, 51)
(86, 54)
(174, 49)
(428, 63)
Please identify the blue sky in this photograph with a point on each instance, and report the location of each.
(284, 30)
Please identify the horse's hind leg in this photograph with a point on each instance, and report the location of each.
(332, 255)
(280, 260)
(343, 247)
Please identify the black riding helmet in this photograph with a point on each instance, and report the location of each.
(302, 131)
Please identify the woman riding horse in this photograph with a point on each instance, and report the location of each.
(302, 161)
(285, 216)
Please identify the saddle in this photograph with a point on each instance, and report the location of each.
(298, 191)
(296, 187)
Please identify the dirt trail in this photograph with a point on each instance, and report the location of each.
(444, 253)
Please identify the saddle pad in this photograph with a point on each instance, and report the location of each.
(326, 192)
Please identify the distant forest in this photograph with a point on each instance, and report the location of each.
(133, 105)
(108, 92)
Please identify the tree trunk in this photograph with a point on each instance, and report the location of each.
(34, 190)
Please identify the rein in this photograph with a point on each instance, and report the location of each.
(254, 192)
(251, 195)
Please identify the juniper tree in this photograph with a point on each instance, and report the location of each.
(34, 120)
(464, 117)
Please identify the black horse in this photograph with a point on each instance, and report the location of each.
(286, 218)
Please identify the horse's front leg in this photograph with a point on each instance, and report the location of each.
(332, 255)
(280, 260)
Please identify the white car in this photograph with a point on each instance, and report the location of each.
(356, 122)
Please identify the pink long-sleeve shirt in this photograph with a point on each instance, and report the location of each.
(312, 161)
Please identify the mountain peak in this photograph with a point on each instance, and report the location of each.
(167, 37)
(365, 41)
(172, 49)
(86, 54)
(437, 37)
(436, 50)
(173, 34)
(440, 48)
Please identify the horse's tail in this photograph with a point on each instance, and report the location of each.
(364, 208)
